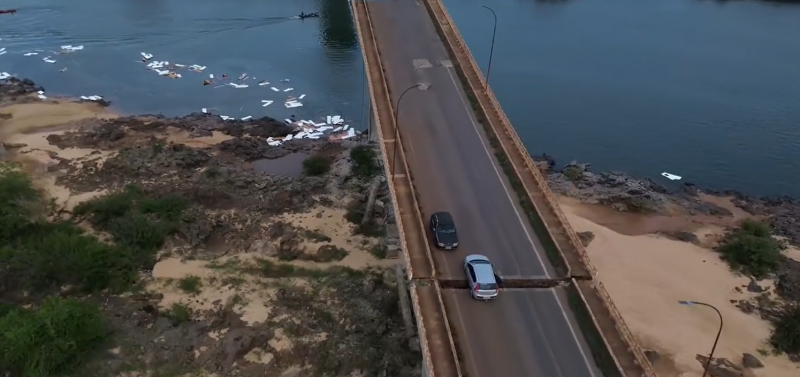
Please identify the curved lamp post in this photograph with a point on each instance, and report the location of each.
(719, 332)
(491, 50)
(421, 86)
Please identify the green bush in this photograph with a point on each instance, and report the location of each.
(786, 334)
(52, 340)
(190, 284)
(751, 249)
(365, 162)
(317, 165)
(133, 218)
(18, 198)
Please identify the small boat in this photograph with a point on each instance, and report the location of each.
(308, 15)
(8, 11)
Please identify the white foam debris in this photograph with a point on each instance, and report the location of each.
(48, 60)
(275, 89)
(288, 137)
(197, 68)
(30, 54)
(292, 104)
(287, 120)
(337, 129)
(266, 103)
(263, 83)
(146, 56)
(288, 89)
(672, 177)
(204, 110)
(301, 96)
(4, 75)
(211, 75)
(41, 95)
(238, 86)
(247, 117)
(91, 98)
(71, 48)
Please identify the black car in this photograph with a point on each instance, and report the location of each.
(444, 231)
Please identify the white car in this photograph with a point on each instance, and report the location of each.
(482, 280)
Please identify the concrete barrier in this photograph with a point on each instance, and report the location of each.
(440, 358)
(570, 246)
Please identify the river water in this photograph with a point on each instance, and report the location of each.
(703, 89)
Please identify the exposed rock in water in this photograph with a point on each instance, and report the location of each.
(586, 238)
(625, 193)
(683, 236)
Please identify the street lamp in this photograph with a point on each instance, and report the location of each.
(491, 51)
(421, 86)
(719, 332)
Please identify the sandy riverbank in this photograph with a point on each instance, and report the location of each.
(265, 267)
(647, 274)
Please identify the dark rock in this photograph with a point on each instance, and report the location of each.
(788, 279)
(683, 236)
(750, 361)
(653, 356)
(754, 287)
(586, 238)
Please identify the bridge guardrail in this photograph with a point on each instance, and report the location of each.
(438, 10)
(359, 7)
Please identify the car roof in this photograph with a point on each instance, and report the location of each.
(484, 272)
(444, 217)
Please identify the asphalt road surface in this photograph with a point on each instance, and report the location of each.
(523, 333)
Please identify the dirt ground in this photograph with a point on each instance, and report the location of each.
(266, 277)
(647, 273)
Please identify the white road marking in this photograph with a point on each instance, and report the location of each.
(527, 234)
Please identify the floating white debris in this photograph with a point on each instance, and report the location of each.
(293, 104)
(671, 176)
(287, 120)
(162, 72)
(337, 129)
(288, 137)
(3, 52)
(301, 96)
(48, 60)
(243, 77)
(4, 75)
(238, 86)
(275, 89)
(2, 49)
(266, 103)
(247, 117)
(204, 110)
(225, 117)
(350, 133)
(336, 119)
(91, 98)
(263, 83)
(211, 75)
(197, 68)
(71, 48)
(285, 80)
(30, 54)
(325, 128)
(345, 127)
(180, 65)
(146, 56)
(288, 89)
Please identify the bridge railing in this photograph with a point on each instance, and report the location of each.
(426, 297)
(452, 37)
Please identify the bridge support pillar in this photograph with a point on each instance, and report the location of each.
(424, 369)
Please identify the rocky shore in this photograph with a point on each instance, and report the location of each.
(258, 274)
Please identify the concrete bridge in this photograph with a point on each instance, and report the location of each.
(448, 146)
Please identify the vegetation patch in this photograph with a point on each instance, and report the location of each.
(317, 165)
(354, 215)
(190, 284)
(365, 162)
(786, 334)
(50, 340)
(751, 249)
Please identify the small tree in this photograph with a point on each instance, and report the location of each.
(786, 334)
(316, 165)
(752, 249)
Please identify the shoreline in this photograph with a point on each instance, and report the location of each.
(229, 268)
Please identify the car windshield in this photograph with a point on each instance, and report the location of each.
(447, 229)
(488, 287)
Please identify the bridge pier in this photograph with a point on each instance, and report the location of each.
(424, 369)
(373, 124)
